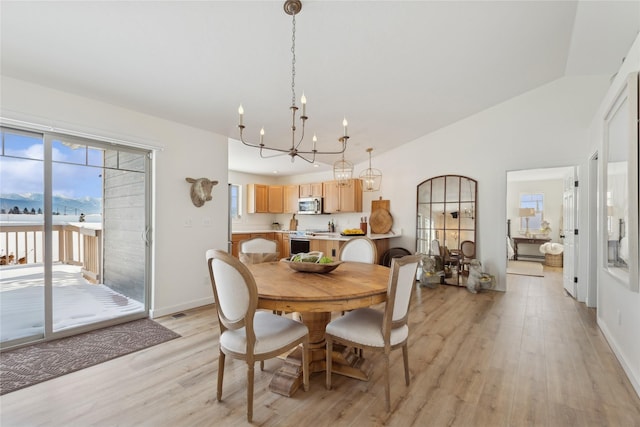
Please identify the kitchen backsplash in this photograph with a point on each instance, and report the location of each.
(253, 222)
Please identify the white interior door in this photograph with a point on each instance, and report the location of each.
(569, 214)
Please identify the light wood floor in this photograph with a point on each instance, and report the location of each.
(530, 356)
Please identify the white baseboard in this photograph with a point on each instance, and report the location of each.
(635, 381)
(154, 313)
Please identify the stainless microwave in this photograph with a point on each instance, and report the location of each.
(310, 206)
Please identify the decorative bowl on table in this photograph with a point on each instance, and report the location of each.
(311, 267)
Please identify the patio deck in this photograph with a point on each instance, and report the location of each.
(76, 302)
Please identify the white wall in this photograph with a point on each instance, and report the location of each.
(618, 307)
(542, 128)
(180, 277)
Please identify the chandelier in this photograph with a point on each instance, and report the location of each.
(293, 7)
(371, 178)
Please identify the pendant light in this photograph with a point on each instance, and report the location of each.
(371, 178)
(343, 171)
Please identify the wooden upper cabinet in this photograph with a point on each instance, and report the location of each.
(343, 198)
(276, 199)
(291, 194)
(331, 197)
(313, 189)
(262, 198)
(257, 198)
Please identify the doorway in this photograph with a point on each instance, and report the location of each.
(74, 221)
(537, 212)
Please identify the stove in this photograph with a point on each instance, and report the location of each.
(298, 242)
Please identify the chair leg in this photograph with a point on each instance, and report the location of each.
(250, 391)
(220, 374)
(405, 356)
(328, 362)
(305, 364)
(387, 392)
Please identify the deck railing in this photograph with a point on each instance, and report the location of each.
(72, 244)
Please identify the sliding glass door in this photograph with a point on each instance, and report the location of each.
(87, 233)
(22, 182)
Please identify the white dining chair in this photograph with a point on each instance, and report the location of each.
(258, 249)
(359, 249)
(245, 333)
(467, 254)
(377, 330)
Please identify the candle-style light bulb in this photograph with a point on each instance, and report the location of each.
(303, 101)
(261, 135)
(314, 139)
(345, 123)
(241, 113)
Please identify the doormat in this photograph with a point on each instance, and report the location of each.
(525, 268)
(36, 363)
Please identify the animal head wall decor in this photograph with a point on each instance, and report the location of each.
(201, 190)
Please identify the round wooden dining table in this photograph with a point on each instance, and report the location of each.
(315, 296)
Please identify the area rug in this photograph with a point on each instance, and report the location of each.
(30, 365)
(525, 268)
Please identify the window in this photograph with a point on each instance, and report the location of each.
(533, 201)
(235, 201)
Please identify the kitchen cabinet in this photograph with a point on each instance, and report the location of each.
(313, 189)
(275, 199)
(257, 198)
(262, 198)
(283, 240)
(290, 195)
(342, 198)
(236, 238)
(329, 248)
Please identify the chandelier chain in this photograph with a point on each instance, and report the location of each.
(293, 62)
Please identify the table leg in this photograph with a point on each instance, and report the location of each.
(345, 361)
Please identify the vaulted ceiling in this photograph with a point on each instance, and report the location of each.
(396, 70)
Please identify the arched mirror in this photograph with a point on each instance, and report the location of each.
(446, 222)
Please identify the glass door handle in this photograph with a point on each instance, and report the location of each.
(145, 236)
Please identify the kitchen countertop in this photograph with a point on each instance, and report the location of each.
(322, 235)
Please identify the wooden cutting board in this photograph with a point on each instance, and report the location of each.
(380, 204)
(380, 220)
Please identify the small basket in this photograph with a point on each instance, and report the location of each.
(551, 260)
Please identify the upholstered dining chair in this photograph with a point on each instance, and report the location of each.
(245, 333)
(377, 330)
(258, 249)
(467, 254)
(435, 247)
(359, 249)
